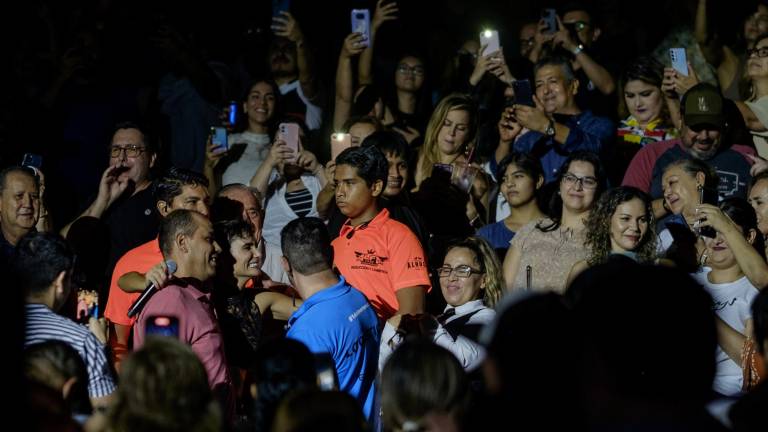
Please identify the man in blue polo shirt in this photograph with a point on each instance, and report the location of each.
(335, 318)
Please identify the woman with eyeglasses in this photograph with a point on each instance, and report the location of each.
(620, 224)
(470, 281)
(242, 296)
(543, 252)
(726, 281)
(755, 108)
(520, 178)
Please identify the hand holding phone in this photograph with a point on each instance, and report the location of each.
(523, 92)
(219, 139)
(162, 325)
(32, 160)
(442, 172)
(489, 40)
(679, 60)
(707, 196)
(361, 23)
(289, 134)
(339, 143)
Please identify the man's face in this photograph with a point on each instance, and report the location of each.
(135, 166)
(703, 144)
(581, 22)
(202, 250)
(397, 177)
(553, 90)
(282, 58)
(251, 207)
(192, 197)
(353, 196)
(527, 35)
(20, 204)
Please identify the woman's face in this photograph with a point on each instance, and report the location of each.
(248, 254)
(453, 133)
(629, 225)
(459, 290)
(260, 105)
(576, 197)
(681, 190)
(758, 197)
(359, 132)
(644, 101)
(756, 24)
(757, 67)
(517, 186)
(409, 75)
(719, 253)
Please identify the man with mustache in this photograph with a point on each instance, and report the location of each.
(703, 113)
(19, 207)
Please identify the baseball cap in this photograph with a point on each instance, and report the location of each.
(703, 106)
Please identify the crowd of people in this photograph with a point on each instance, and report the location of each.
(555, 238)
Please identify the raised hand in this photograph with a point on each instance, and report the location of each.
(384, 12)
(286, 26)
(353, 45)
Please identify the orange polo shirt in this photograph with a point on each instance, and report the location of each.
(139, 259)
(379, 258)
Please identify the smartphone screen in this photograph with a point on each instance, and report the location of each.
(219, 138)
(162, 325)
(289, 134)
(523, 92)
(549, 16)
(679, 60)
(490, 40)
(361, 23)
(339, 143)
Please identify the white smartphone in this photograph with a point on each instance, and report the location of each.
(361, 23)
(679, 60)
(339, 143)
(490, 40)
(289, 134)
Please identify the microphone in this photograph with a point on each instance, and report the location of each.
(150, 290)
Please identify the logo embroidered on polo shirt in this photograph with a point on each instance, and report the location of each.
(416, 262)
(370, 258)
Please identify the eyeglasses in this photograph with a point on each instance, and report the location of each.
(131, 151)
(462, 271)
(577, 25)
(405, 69)
(529, 41)
(586, 182)
(761, 52)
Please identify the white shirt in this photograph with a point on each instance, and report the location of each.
(256, 150)
(731, 302)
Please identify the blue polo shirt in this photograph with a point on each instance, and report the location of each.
(339, 321)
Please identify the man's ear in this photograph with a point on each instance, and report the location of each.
(182, 243)
(540, 182)
(60, 284)
(575, 86)
(162, 208)
(152, 160)
(66, 388)
(377, 188)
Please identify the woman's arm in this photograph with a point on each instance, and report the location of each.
(281, 305)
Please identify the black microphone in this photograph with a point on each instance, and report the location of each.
(138, 305)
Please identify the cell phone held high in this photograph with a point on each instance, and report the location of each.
(361, 23)
(523, 92)
(32, 160)
(219, 139)
(339, 143)
(549, 17)
(708, 196)
(162, 325)
(679, 61)
(289, 134)
(489, 39)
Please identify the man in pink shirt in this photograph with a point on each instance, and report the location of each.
(186, 237)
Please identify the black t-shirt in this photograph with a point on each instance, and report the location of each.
(131, 221)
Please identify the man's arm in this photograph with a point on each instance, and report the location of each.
(596, 73)
(287, 27)
(133, 282)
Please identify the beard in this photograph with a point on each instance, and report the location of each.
(704, 154)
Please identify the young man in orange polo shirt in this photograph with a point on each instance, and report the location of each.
(377, 255)
(177, 189)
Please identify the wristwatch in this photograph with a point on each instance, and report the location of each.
(550, 130)
(579, 48)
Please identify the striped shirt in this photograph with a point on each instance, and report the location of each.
(300, 202)
(43, 325)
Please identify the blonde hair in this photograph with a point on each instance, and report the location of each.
(429, 152)
(486, 258)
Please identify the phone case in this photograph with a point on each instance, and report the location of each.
(489, 39)
(219, 138)
(161, 325)
(550, 18)
(523, 92)
(679, 60)
(339, 143)
(361, 23)
(289, 133)
(32, 160)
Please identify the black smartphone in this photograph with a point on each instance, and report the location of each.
(162, 325)
(523, 92)
(32, 160)
(708, 196)
(549, 16)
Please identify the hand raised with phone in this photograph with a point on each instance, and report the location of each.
(280, 153)
(508, 126)
(353, 45)
(286, 26)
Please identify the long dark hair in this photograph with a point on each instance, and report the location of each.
(743, 215)
(556, 202)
